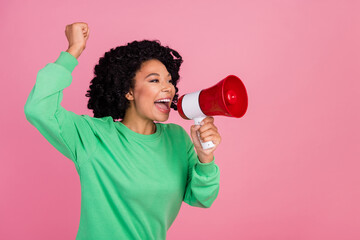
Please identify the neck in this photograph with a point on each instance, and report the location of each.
(142, 126)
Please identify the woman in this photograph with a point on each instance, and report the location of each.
(134, 173)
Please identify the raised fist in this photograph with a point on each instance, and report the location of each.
(77, 34)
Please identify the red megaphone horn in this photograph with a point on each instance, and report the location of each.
(227, 98)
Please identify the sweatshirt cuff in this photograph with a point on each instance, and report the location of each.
(67, 60)
(205, 169)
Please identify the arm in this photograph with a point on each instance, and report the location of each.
(203, 179)
(71, 134)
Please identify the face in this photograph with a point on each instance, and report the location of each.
(152, 82)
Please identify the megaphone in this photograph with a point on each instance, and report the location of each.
(227, 98)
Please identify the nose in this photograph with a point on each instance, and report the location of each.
(166, 87)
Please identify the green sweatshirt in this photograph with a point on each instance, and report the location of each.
(132, 185)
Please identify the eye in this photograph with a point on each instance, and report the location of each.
(171, 81)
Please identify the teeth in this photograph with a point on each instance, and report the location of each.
(163, 100)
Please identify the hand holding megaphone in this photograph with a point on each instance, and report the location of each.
(226, 98)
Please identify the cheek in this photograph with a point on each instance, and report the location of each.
(146, 97)
(173, 89)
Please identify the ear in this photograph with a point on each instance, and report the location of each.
(129, 96)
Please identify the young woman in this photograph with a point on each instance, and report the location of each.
(134, 173)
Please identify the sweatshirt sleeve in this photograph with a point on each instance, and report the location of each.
(203, 179)
(71, 134)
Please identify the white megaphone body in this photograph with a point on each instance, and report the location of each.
(226, 98)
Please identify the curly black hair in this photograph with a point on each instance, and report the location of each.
(115, 75)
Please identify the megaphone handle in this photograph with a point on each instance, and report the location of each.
(205, 145)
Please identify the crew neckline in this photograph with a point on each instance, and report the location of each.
(139, 136)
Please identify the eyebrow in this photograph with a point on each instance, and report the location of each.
(155, 74)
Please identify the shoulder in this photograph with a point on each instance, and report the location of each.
(100, 124)
(94, 120)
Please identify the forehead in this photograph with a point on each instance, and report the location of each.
(152, 66)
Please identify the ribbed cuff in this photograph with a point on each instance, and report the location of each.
(205, 169)
(67, 60)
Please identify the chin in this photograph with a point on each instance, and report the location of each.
(162, 119)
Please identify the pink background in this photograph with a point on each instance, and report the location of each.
(289, 167)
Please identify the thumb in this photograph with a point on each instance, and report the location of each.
(194, 136)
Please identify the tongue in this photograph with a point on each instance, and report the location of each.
(164, 106)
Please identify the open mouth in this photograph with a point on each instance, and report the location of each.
(163, 105)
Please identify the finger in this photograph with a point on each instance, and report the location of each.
(194, 136)
(194, 128)
(216, 138)
(208, 138)
(86, 34)
(207, 120)
(211, 139)
(209, 132)
(207, 127)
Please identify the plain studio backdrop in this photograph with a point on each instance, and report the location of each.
(289, 167)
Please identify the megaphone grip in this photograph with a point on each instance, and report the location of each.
(205, 145)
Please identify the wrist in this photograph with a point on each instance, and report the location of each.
(75, 51)
(206, 159)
